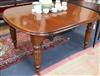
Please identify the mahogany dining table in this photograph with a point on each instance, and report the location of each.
(40, 26)
(95, 6)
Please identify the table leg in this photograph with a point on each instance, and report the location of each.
(37, 42)
(99, 35)
(88, 35)
(96, 32)
(13, 36)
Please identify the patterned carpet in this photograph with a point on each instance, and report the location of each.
(83, 63)
(10, 56)
(24, 66)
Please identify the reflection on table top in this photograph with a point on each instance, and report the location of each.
(23, 19)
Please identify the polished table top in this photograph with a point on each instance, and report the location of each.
(91, 5)
(44, 24)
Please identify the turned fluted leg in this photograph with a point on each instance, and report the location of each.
(37, 41)
(13, 36)
(88, 35)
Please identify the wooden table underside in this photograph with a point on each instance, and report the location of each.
(40, 26)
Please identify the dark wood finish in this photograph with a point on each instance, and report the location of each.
(13, 36)
(92, 6)
(88, 35)
(24, 2)
(39, 26)
(4, 4)
(89, 5)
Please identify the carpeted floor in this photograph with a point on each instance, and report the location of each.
(4, 29)
(50, 56)
(83, 63)
(9, 55)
